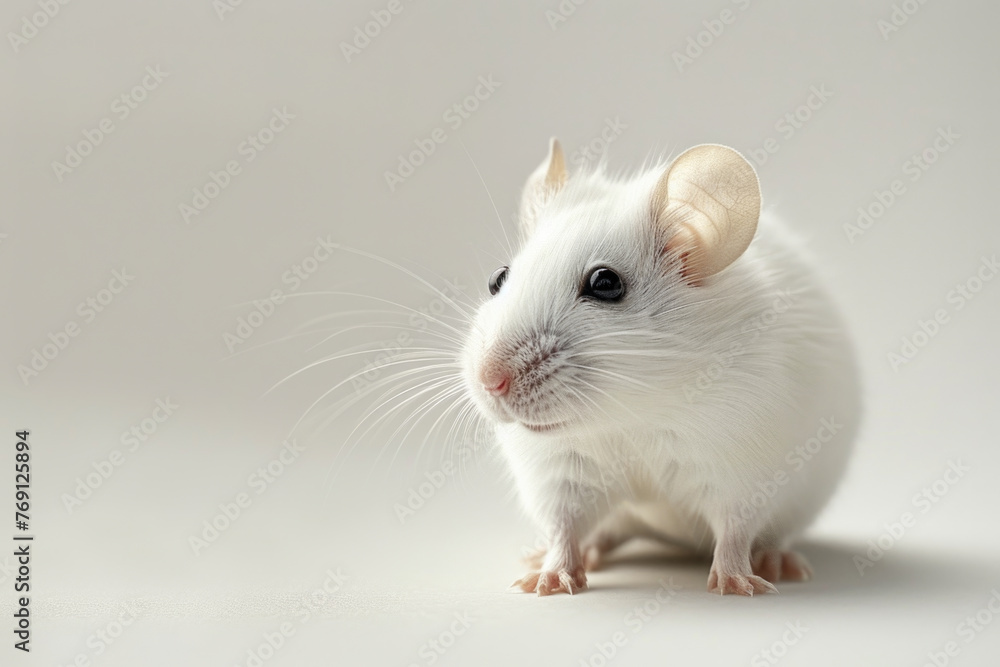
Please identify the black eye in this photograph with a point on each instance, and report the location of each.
(604, 284)
(498, 278)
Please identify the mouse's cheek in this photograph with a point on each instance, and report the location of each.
(499, 411)
(504, 418)
(490, 407)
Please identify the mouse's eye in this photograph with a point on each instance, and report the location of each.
(498, 278)
(604, 284)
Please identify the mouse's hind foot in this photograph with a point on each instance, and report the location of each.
(548, 582)
(775, 565)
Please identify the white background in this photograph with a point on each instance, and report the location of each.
(162, 336)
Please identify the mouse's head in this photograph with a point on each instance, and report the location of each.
(592, 321)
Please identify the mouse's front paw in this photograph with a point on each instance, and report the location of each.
(733, 583)
(547, 582)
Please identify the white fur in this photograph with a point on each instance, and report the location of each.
(681, 402)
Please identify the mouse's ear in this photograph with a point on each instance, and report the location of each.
(542, 186)
(709, 198)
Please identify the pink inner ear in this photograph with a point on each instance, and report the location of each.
(684, 257)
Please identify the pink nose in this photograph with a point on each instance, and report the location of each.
(495, 381)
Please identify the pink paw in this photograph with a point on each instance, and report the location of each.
(593, 557)
(729, 583)
(775, 565)
(549, 582)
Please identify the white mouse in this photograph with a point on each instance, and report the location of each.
(655, 363)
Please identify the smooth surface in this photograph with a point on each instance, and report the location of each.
(328, 131)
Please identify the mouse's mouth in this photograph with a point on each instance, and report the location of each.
(543, 428)
(508, 414)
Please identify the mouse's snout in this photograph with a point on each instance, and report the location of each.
(495, 378)
(515, 372)
(516, 381)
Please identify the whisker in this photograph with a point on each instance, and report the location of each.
(482, 180)
(417, 413)
(406, 271)
(465, 319)
(337, 357)
(346, 448)
(435, 401)
(618, 376)
(459, 404)
(445, 337)
(300, 333)
(641, 354)
(375, 385)
(598, 389)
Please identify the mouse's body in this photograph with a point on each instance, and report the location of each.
(655, 367)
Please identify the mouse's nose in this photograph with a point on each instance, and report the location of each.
(495, 380)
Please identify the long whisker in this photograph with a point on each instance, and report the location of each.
(409, 354)
(301, 331)
(649, 354)
(434, 382)
(598, 389)
(406, 271)
(465, 319)
(364, 392)
(463, 421)
(444, 395)
(424, 388)
(383, 325)
(347, 447)
(618, 376)
(482, 180)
